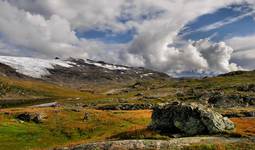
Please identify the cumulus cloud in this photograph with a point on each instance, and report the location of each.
(200, 56)
(244, 51)
(218, 55)
(33, 32)
(82, 14)
(48, 29)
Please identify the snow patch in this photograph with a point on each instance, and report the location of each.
(107, 66)
(146, 75)
(33, 67)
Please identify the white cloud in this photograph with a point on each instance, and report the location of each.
(33, 32)
(244, 53)
(200, 56)
(47, 29)
(218, 55)
(82, 14)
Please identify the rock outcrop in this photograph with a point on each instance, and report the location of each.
(247, 88)
(220, 100)
(188, 119)
(172, 144)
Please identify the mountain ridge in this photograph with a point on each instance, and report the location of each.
(73, 70)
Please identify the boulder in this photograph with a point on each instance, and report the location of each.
(188, 119)
(24, 117)
(35, 117)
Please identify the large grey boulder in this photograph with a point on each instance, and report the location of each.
(189, 119)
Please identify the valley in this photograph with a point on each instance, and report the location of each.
(71, 106)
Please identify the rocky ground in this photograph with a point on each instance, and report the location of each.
(176, 144)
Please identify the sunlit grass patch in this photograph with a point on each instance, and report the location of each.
(65, 127)
(245, 126)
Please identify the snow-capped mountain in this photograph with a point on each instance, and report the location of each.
(33, 67)
(72, 70)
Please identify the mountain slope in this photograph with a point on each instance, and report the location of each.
(73, 71)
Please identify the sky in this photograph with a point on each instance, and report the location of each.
(177, 37)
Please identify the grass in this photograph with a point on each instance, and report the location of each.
(26, 136)
(15, 92)
(37, 88)
(140, 133)
(167, 90)
(245, 126)
(32, 90)
(66, 127)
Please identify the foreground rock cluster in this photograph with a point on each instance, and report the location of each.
(189, 119)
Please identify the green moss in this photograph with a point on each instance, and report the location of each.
(23, 136)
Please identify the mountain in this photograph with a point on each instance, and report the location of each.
(73, 71)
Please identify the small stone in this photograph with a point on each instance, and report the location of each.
(86, 116)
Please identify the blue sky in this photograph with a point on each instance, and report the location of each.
(107, 36)
(241, 27)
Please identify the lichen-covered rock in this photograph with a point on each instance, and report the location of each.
(128, 145)
(189, 119)
(171, 144)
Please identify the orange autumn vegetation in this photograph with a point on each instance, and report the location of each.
(245, 126)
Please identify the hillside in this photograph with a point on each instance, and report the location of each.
(99, 103)
(72, 71)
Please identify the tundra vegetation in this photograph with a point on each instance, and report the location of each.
(97, 112)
